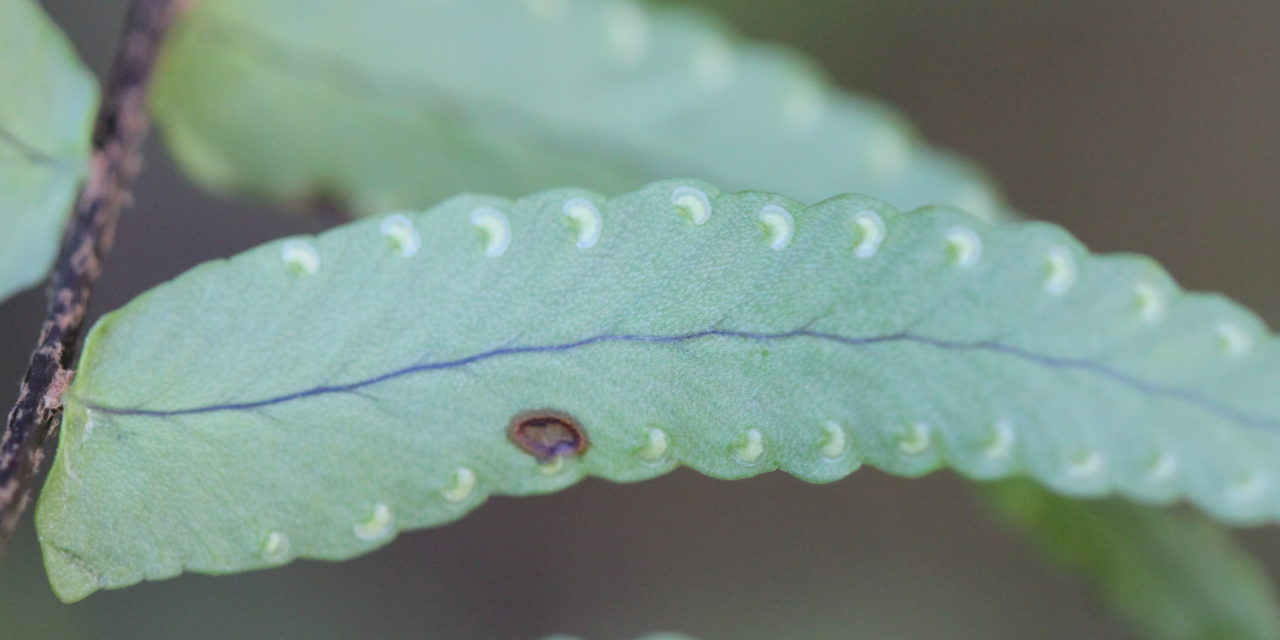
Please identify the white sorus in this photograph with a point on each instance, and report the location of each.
(965, 246)
(1235, 341)
(778, 224)
(378, 526)
(399, 230)
(870, 232)
(692, 204)
(835, 443)
(752, 449)
(301, 256)
(917, 440)
(1061, 267)
(1164, 467)
(586, 221)
(460, 486)
(555, 466)
(1087, 466)
(1002, 440)
(276, 547)
(1151, 302)
(495, 227)
(1250, 488)
(656, 446)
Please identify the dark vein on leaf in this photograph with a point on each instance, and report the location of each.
(1083, 365)
(27, 150)
(79, 562)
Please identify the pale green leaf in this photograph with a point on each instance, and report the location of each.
(1173, 573)
(385, 104)
(47, 102)
(311, 397)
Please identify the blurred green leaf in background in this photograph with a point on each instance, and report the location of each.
(384, 105)
(47, 102)
(1174, 573)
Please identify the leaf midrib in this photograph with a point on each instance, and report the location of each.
(1098, 369)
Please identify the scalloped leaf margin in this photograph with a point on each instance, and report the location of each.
(313, 396)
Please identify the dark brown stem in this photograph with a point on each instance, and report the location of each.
(121, 126)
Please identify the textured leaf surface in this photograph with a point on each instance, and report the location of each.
(385, 105)
(47, 101)
(1174, 574)
(313, 396)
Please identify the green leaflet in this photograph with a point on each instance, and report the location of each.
(478, 96)
(46, 110)
(1175, 574)
(386, 105)
(311, 397)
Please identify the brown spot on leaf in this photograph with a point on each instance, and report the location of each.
(547, 434)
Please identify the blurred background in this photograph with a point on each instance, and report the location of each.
(1149, 126)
